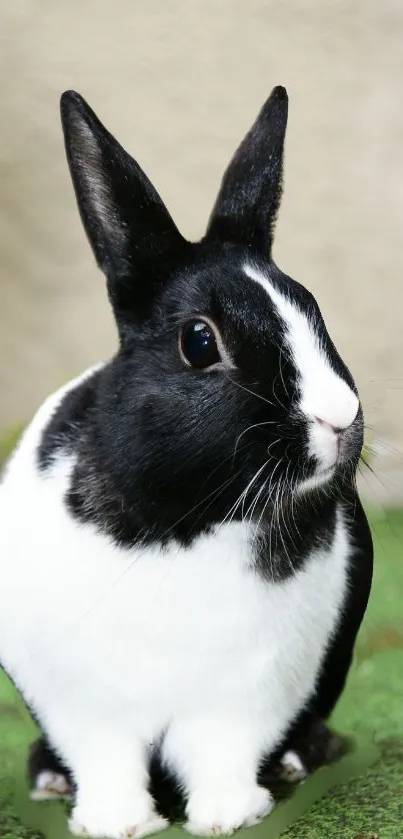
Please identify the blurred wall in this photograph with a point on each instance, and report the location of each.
(179, 82)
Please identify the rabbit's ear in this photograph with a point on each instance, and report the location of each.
(130, 230)
(246, 207)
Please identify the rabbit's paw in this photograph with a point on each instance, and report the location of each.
(107, 822)
(50, 785)
(291, 768)
(154, 824)
(221, 811)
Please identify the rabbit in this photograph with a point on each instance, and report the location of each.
(184, 558)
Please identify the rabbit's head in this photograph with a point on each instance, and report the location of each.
(226, 390)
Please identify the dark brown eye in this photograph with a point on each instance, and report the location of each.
(198, 345)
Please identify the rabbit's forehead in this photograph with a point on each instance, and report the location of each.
(325, 392)
(300, 330)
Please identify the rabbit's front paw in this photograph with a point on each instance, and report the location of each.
(108, 822)
(49, 785)
(291, 768)
(220, 811)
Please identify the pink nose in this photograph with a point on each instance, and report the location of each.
(329, 426)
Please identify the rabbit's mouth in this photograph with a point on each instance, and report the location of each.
(320, 477)
(331, 447)
(332, 450)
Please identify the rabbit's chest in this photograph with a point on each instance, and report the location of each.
(192, 629)
(206, 621)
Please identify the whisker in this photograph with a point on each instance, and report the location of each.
(284, 490)
(231, 512)
(216, 495)
(250, 428)
(254, 501)
(251, 392)
(279, 498)
(258, 473)
(293, 502)
(268, 500)
(383, 445)
(281, 369)
(196, 506)
(280, 373)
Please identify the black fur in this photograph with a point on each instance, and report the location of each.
(248, 201)
(67, 423)
(131, 232)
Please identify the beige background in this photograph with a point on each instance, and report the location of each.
(179, 82)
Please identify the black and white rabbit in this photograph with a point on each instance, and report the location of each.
(184, 560)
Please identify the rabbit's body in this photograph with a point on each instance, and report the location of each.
(148, 602)
(141, 645)
(145, 635)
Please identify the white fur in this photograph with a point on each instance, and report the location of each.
(324, 394)
(119, 649)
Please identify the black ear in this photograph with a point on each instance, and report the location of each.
(246, 207)
(130, 230)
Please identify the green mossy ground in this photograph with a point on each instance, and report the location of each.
(367, 806)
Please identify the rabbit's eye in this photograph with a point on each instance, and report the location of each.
(198, 345)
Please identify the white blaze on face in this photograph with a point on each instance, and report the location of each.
(324, 395)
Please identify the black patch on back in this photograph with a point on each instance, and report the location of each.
(64, 430)
(93, 498)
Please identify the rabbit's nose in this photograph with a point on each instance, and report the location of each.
(336, 429)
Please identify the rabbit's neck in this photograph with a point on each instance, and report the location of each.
(281, 542)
